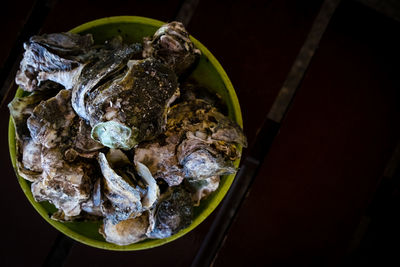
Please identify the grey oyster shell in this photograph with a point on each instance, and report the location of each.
(200, 161)
(171, 44)
(161, 161)
(66, 185)
(124, 200)
(28, 152)
(51, 120)
(53, 123)
(201, 189)
(133, 107)
(106, 63)
(152, 190)
(126, 232)
(127, 195)
(173, 213)
(199, 119)
(200, 143)
(52, 57)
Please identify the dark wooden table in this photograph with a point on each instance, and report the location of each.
(318, 82)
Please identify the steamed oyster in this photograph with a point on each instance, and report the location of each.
(171, 44)
(199, 163)
(198, 119)
(57, 57)
(132, 107)
(200, 143)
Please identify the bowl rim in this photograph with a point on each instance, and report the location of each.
(25, 185)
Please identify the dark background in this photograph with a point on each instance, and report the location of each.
(327, 190)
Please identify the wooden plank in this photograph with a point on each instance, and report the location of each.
(264, 139)
(256, 42)
(330, 152)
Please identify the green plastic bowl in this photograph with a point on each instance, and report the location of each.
(208, 73)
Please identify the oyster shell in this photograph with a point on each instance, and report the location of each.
(173, 213)
(161, 161)
(66, 185)
(201, 189)
(124, 199)
(126, 232)
(201, 164)
(171, 44)
(51, 120)
(133, 107)
(153, 192)
(28, 152)
(54, 123)
(200, 120)
(105, 64)
(52, 57)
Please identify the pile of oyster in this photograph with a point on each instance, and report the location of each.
(115, 132)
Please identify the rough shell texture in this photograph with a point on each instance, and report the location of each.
(64, 184)
(51, 120)
(52, 57)
(101, 67)
(172, 214)
(126, 232)
(161, 161)
(201, 189)
(171, 44)
(123, 198)
(136, 103)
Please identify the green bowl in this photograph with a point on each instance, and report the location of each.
(208, 73)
